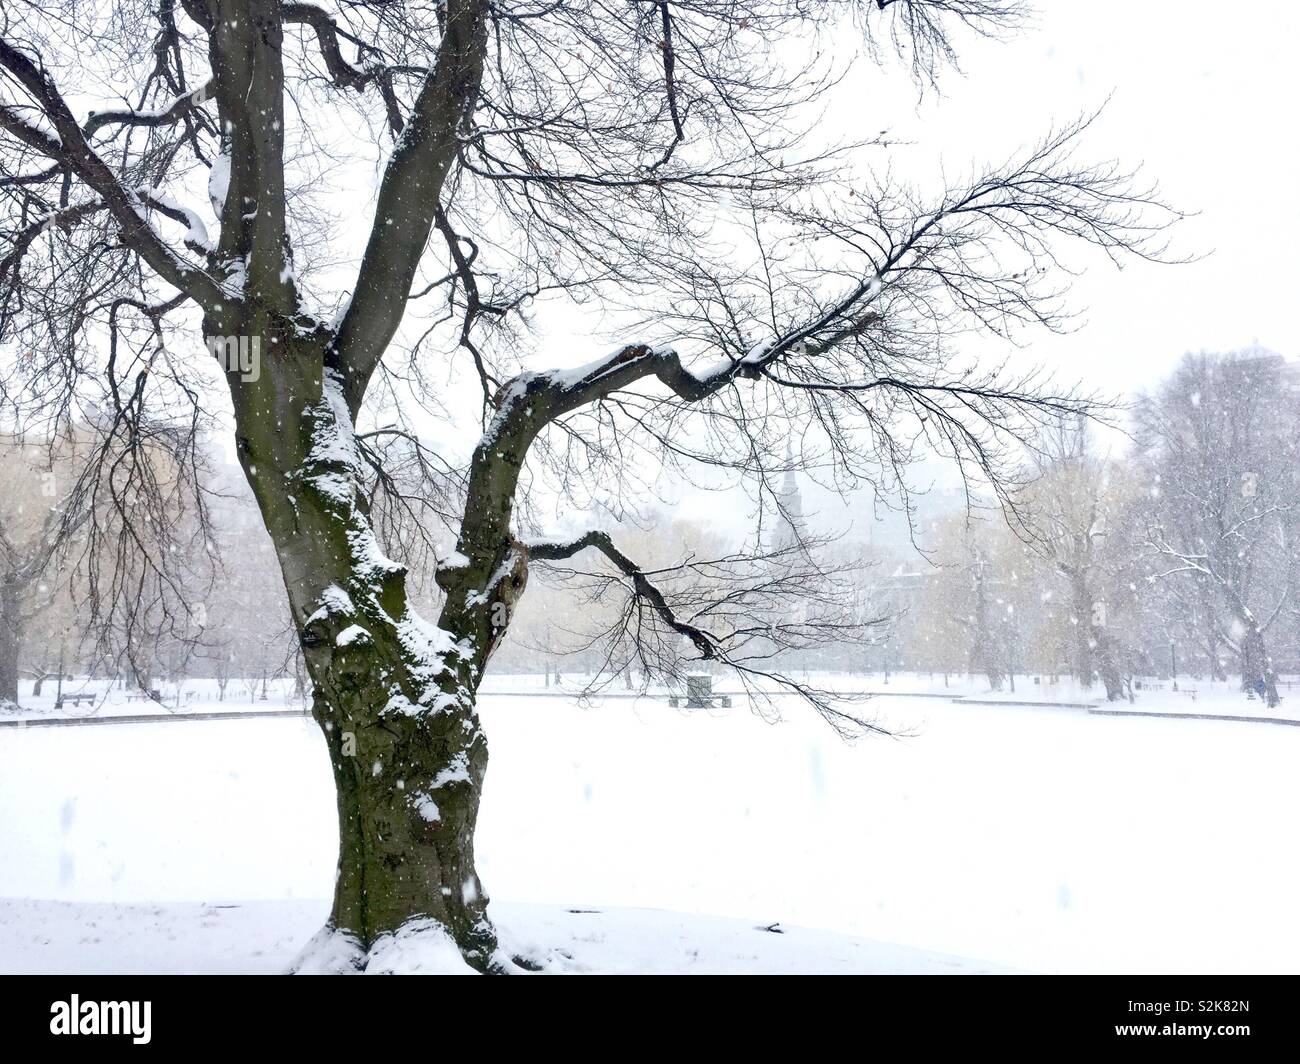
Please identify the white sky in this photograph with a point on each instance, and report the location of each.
(1203, 94)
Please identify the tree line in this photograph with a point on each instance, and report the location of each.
(1167, 551)
(1170, 551)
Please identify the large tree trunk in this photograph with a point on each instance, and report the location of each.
(1107, 666)
(984, 656)
(393, 694)
(1086, 631)
(1257, 675)
(11, 640)
(408, 781)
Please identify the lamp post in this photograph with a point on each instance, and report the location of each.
(1173, 664)
(1012, 656)
(58, 687)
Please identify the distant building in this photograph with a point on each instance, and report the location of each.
(790, 529)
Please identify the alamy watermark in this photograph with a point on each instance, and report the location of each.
(238, 354)
(75, 1017)
(235, 354)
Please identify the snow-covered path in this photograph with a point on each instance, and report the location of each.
(1039, 840)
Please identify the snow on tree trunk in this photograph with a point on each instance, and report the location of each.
(408, 778)
(393, 693)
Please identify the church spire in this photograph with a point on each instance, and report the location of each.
(789, 516)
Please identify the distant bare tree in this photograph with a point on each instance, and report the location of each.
(39, 514)
(656, 160)
(1068, 513)
(1221, 438)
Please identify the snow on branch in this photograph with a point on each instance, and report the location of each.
(68, 147)
(168, 114)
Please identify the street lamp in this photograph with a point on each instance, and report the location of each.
(1011, 658)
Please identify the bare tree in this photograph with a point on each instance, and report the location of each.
(655, 159)
(38, 519)
(1068, 513)
(1221, 439)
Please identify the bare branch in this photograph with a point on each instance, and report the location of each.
(70, 149)
(408, 196)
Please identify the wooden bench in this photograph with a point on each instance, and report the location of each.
(76, 700)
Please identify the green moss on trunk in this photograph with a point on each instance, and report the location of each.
(393, 696)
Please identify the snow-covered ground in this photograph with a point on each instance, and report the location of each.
(1032, 838)
(101, 699)
(263, 937)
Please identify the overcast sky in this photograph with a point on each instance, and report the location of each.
(1204, 99)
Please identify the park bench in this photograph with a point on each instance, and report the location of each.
(76, 700)
(699, 694)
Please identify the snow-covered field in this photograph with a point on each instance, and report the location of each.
(100, 700)
(1032, 838)
(262, 937)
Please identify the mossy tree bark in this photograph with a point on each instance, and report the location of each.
(394, 694)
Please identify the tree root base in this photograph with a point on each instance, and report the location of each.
(422, 946)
